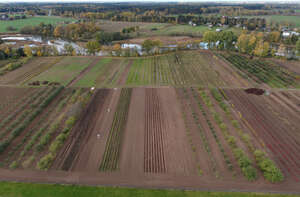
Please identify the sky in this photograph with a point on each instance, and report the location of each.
(246, 1)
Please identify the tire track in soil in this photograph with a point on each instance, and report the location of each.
(80, 133)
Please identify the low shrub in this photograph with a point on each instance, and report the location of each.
(45, 162)
(268, 167)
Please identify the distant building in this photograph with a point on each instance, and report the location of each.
(4, 17)
(289, 33)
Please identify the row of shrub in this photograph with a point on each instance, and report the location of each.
(14, 65)
(266, 165)
(271, 172)
(242, 159)
(46, 161)
(17, 131)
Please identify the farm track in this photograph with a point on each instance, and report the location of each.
(154, 161)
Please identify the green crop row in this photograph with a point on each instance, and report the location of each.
(111, 155)
(266, 165)
(17, 131)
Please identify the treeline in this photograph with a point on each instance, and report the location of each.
(252, 43)
(70, 32)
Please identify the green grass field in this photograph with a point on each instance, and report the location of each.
(50, 190)
(36, 20)
(64, 71)
(89, 80)
(295, 20)
(169, 29)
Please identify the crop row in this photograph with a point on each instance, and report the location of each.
(212, 129)
(29, 118)
(110, 159)
(63, 126)
(242, 159)
(21, 113)
(274, 174)
(262, 71)
(154, 160)
(203, 137)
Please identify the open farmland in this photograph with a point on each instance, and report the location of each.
(190, 136)
(180, 69)
(188, 119)
(66, 70)
(33, 21)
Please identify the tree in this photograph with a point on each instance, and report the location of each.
(93, 47)
(242, 43)
(27, 51)
(298, 47)
(150, 44)
(58, 31)
(262, 49)
(69, 49)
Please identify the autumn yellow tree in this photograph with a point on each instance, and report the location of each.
(27, 51)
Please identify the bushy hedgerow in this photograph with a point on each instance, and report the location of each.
(268, 167)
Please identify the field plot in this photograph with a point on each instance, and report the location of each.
(64, 71)
(173, 137)
(275, 120)
(29, 70)
(106, 73)
(33, 21)
(36, 124)
(264, 73)
(200, 68)
(293, 66)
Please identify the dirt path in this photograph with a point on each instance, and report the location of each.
(132, 154)
(149, 181)
(83, 72)
(179, 155)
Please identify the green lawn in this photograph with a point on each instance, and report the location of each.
(36, 20)
(89, 79)
(64, 71)
(50, 190)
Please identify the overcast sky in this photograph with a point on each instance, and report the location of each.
(261, 1)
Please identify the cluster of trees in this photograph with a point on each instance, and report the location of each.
(253, 44)
(130, 29)
(298, 47)
(71, 31)
(220, 40)
(8, 52)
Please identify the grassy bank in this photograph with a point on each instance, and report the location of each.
(48, 190)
